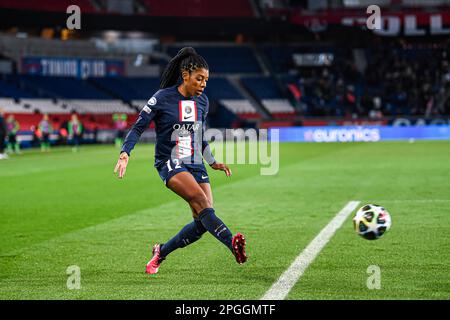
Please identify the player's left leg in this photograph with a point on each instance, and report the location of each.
(191, 232)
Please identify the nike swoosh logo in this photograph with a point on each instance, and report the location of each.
(187, 117)
(204, 177)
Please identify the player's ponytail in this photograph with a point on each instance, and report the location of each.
(186, 59)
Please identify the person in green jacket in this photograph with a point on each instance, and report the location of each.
(45, 129)
(13, 127)
(120, 124)
(75, 128)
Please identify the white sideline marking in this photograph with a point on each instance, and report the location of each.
(287, 280)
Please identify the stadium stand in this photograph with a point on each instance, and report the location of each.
(199, 8)
(98, 106)
(63, 87)
(256, 79)
(241, 108)
(226, 59)
(128, 89)
(390, 83)
(338, 90)
(43, 106)
(47, 5)
(221, 90)
(172, 8)
(10, 90)
(268, 93)
(12, 106)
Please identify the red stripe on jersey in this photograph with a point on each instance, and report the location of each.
(195, 110)
(180, 111)
(193, 133)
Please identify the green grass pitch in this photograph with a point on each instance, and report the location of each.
(63, 209)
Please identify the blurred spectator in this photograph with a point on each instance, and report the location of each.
(399, 79)
(3, 131)
(120, 124)
(45, 128)
(75, 129)
(13, 127)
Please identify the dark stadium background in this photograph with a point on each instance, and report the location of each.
(273, 63)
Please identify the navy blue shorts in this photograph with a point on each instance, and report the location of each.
(169, 169)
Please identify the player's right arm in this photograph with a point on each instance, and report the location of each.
(145, 117)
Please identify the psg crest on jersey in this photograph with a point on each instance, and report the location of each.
(187, 111)
(152, 101)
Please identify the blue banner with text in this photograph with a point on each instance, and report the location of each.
(362, 133)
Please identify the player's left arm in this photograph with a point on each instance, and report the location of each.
(206, 150)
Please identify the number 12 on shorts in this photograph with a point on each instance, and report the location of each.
(177, 164)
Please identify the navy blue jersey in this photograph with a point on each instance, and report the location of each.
(179, 123)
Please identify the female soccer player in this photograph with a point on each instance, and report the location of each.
(179, 111)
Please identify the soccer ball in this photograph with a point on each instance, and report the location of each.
(371, 221)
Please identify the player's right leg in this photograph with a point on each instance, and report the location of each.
(238, 241)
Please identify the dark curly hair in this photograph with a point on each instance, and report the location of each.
(186, 59)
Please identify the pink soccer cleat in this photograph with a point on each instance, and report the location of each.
(154, 263)
(238, 243)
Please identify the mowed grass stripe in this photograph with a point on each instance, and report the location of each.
(278, 214)
(291, 276)
(112, 255)
(413, 258)
(73, 191)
